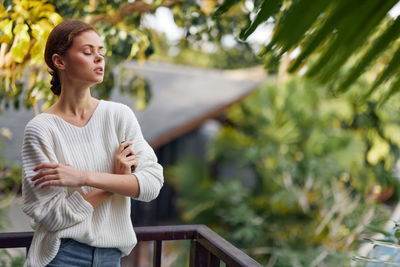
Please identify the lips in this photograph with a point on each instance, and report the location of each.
(99, 70)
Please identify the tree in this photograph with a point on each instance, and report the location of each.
(296, 175)
(25, 26)
(321, 38)
(324, 38)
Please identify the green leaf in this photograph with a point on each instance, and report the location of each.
(394, 88)
(352, 33)
(380, 44)
(392, 68)
(290, 29)
(267, 9)
(226, 5)
(321, 33)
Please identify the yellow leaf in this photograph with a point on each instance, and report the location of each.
(22, 31)
(40, 31)
(3, 12)
(35, 7)
(21, 43)
(21, 12)
(37, 52)
(54, 18)
(6, 31)
(378, 151)
(47, 7)
(134, 50)
(392, 131)
(207, 6)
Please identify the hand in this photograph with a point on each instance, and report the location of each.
(56, 174)
(123, 162)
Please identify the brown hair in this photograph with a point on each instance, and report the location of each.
(59, 41)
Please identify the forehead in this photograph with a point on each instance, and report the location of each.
(87, 38)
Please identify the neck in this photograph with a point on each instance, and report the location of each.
(75, 101)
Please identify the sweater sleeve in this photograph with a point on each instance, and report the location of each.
(148, 172)
(50, 206)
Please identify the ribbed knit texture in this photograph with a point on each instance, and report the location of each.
(62, 212)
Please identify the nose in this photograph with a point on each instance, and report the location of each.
(98, 57)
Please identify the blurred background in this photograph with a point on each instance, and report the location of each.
(276, 121)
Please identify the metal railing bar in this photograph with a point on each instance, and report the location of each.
(202, 238)
(16, 239)
(157, 253)
(170, 232)
(224, 250)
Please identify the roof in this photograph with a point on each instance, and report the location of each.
(184, 97)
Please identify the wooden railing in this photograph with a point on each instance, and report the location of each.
(207, 248)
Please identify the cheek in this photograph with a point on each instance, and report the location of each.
(78, 64)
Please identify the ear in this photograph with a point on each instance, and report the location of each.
(58, 62)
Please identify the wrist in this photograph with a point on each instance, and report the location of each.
(86, 178)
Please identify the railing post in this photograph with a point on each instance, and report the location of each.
(198, 254)
(213, 260)
(201, 257)
(157, 253)
(207, 247)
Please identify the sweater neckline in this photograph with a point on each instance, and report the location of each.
(72, 125)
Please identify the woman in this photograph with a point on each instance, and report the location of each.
(77, 178)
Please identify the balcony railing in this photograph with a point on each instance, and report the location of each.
(207, 248)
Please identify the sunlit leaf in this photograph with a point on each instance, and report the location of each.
(390, 69)
(6, 31)
(226, 5)
(379, 150)
(21, 43)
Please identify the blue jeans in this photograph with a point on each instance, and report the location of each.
(75, 254)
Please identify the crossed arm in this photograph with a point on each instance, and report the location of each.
(106, 184)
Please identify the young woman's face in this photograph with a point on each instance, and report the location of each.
(84, 60)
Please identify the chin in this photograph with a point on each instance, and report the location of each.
(98, 81)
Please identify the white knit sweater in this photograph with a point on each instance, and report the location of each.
(62, 212)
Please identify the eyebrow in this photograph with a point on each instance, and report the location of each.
(92, 46)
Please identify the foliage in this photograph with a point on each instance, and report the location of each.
(25, 26)
(219, 57)
(295, 172)
(330, 36)
(324, 37)
(10, 184)
(10, 176)
(385, 250)
(9, 260)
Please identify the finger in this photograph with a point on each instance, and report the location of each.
(123, 145)
(45, 165)
(45, 179)
(128, 152)
(135, 163)
(132, 162)
(130, 158)
(43, 173)
(51, 183)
